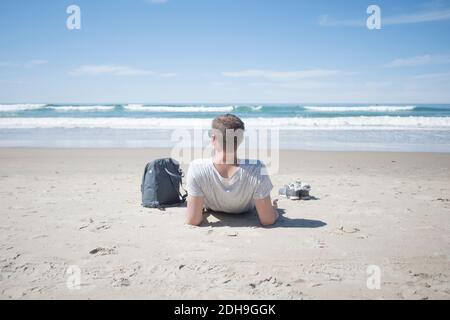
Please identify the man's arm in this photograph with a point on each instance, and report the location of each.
(267, 212)
(194, 213)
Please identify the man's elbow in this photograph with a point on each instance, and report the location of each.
(193, 221)
(267, 222)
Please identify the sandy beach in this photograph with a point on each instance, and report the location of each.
(76, 212)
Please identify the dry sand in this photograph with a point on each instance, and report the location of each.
(81, 208)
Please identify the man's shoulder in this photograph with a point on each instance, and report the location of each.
(251, 163)
(254, 167)
(199, 164)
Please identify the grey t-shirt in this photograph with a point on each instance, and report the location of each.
(231, 195)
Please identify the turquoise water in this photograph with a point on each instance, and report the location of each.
(207, 111)
(384, 127)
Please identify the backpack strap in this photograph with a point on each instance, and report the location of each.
(180, 176)
(184, 196)
(181, 185)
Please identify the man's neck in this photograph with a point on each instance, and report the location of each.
(223, 158)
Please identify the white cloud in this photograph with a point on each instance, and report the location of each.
(281, 75)
(427, 59)
(409, 18)
(95, 70)
(418, 17)
(326, 21)
(114, 70)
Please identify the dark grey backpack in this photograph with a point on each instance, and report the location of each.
(161, 184)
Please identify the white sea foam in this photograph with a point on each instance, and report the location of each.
(359, 109)
(295, 123)
(251, 108)
(81, 108)
(140, 107)
(20, 107)
(133, 106)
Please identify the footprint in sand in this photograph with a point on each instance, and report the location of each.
(273, 287)
(122, 276)
(100, 226)
(90, 221)
(122, 282)
(103, 226)
(231, 233)
(321, 244)
(40, 236)
(99, 251)
(349, 230)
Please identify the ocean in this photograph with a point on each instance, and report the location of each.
(346, 127)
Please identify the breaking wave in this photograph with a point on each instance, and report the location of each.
(361, 109)
(81, 108)
(296, 123)
(20, 107)
(143, 108)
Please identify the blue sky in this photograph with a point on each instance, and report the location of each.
(229, 51)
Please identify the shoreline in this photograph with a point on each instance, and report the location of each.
(166, 150)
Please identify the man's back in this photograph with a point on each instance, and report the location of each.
(239, 189)
(235, 194)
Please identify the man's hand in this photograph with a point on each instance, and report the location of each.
(267, 211)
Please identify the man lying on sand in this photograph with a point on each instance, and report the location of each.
(226, 184)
